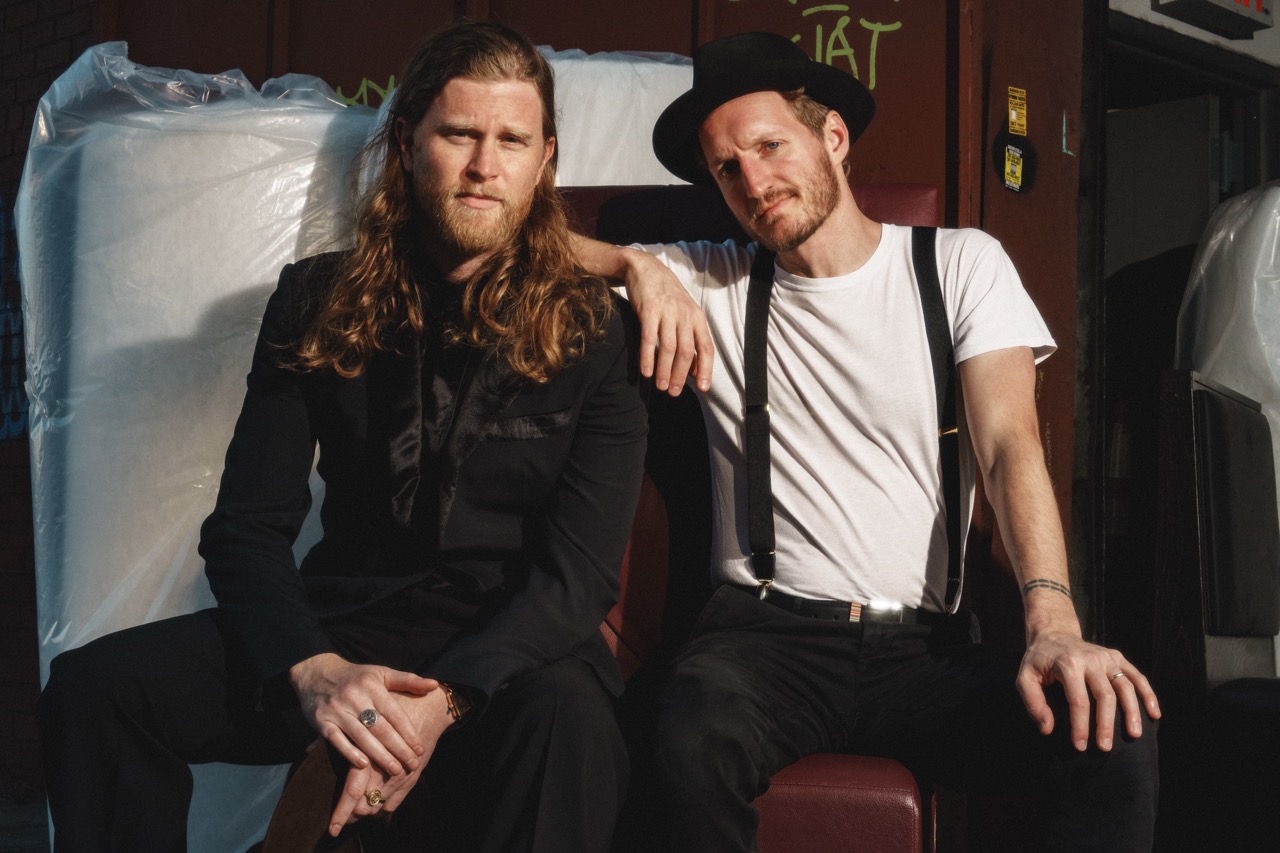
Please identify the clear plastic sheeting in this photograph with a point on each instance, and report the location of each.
(608, 103)
(1229, 324)
(155, 212)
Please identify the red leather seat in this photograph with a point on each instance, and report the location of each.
(842, 802)
(822, 802)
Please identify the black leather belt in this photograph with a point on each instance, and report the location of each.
(841, 611)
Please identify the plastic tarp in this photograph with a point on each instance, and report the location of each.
(1229, 323)
(155, 212)
(608, 103)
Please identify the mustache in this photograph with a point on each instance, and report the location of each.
(772, 197)
(479, 193)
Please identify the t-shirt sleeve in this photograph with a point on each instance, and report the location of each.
(989, 307)
(702, 265)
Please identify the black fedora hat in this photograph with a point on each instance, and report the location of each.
(738, 65)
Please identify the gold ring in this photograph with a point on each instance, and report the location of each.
(1117, 675)
(373, 797)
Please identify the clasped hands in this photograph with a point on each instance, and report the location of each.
(387, 750)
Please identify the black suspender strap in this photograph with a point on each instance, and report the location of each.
(924, 257)
(760, 531)
(756, 421)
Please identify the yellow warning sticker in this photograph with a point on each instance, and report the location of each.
(1013, 168)
(1017, 111)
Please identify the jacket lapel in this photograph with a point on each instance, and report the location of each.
(487, 390)
(394, 388)
(395, 395)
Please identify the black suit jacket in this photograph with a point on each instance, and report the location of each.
(524, 519)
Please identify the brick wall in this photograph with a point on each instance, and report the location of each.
(38, 40)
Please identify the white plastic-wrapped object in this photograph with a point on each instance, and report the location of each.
(608, 103)
(1229, 323)
(155, 212)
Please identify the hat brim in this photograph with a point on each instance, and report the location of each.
(675, 134)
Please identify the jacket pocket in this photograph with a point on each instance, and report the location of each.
(525, 427)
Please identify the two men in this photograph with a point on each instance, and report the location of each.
(481, 441)
(844, 635)
(481, 438)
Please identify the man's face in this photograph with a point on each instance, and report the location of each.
(474, 160)
(778, 178)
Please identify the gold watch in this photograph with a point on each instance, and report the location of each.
(458, 703)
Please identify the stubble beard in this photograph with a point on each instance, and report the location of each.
(819, 193)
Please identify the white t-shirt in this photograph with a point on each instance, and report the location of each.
(857, 488)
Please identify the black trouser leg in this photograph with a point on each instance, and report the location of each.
(122, 717)
(757, 688)
(737, 706)
(1098, 801)
(543, 769)
(954, 717)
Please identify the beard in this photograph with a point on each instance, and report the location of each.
(818, 195)
(471, 232)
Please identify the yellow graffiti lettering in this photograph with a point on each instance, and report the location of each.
(846, 50)
(831, 44)
(876, 29)
(362, 94)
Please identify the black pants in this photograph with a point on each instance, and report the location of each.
(543, 768)
(756, 689)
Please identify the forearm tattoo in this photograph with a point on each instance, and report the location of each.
(1045, 583)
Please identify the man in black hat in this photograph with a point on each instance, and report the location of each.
(841, 497)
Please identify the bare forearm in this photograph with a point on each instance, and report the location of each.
(1027, 513)
(999, 390)
(675, 342)
(605, 259)
(1000, 402)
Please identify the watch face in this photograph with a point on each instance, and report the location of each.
(457, 701)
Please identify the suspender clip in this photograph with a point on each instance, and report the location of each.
(764, 589)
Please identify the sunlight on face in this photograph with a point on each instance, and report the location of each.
(775, 175)
(475, 159)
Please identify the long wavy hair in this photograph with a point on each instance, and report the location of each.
(528, 304)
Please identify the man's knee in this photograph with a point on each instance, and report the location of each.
(708, 735)
(561, 704)
(80, 681)
(1130, 771)
(1132, 758)
(1118, 787)
(156, 676)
